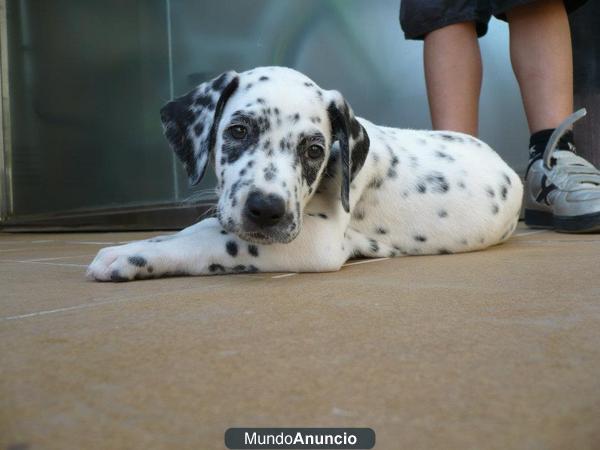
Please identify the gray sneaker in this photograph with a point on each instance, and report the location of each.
(562, 190)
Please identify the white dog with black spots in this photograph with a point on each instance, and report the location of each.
(304, 185)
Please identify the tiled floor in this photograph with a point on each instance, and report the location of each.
(494, 349)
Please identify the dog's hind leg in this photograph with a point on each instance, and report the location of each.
(365, 246)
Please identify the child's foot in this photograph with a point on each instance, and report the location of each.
(562, 190)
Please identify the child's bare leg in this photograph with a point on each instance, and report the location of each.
(453, 73)
(541, 55)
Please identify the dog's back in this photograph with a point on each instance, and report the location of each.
(424, 192)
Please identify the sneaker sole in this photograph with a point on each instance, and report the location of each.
(585, 223)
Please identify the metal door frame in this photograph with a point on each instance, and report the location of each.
(6, 198)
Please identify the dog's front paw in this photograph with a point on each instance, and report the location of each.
(122, 263)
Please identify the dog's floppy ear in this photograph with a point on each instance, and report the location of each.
(353, 141)
(191, 121)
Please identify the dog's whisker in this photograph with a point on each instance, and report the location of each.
(210, 212)
(200, 195)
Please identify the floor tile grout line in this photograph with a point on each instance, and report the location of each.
(569, 241)
(57, 257)
(57, 264)
(101, 303)
(527, 233)
(39, 241)
(58, 310)
(92, 242)
(6, 250)
(41, 262)
(285, 275)
(366, 261)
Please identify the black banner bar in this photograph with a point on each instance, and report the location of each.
(299, 438)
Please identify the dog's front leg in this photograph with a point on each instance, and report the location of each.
(206, 249)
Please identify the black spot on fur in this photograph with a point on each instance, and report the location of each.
(495, 208)
(232, 248)
(216, 268)
(421, 188)
(449, 137)
(443, 213)
(223, 232)
(490, 192)
(137, 261)
(373, 245)
(270, 172)
(239, 268)
(380, 230)
(445, 156)
(507, 179)
(218, 83)
(263, 78)
(503, 192)
(253, 250)
(150, 269)
(438, 182)
(322, 216)
(116, 276)
(420, 238)
(443, 251)
(198, 128)
(375, 183)
(203, 100)
(267, 146)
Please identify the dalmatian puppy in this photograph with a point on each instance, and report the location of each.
(304, 185)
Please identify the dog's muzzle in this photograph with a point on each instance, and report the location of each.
(264, 210)
(266, 219)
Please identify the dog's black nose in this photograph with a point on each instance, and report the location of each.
(264, 210)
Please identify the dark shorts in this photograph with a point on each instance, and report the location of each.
(419, 17)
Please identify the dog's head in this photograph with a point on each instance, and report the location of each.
(271, 133)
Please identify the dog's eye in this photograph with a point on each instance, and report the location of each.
(314, 151)
(237, 131)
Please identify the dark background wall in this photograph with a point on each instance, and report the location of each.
(585, 28)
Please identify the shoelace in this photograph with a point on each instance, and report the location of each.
(557, 134)
(572, 171)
